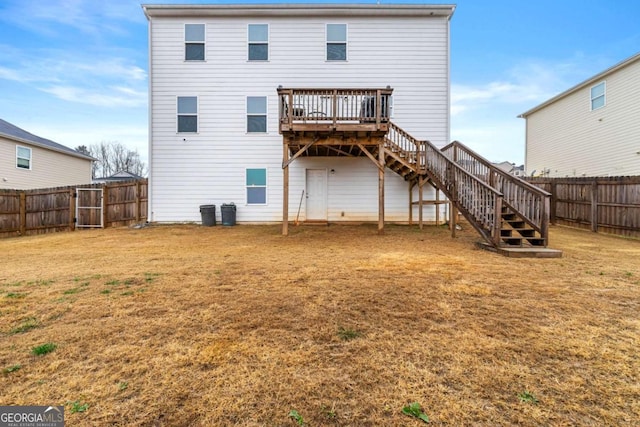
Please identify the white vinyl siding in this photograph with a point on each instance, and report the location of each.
(567, 139)
(194, 42)
(410, 54)
(23, 157)
(48, 168)
(598, 96)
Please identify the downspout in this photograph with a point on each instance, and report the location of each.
(149, 124)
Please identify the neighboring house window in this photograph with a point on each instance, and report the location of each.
(256, 181)
(258, 42)
(187, 114)
(336, 42)
(23, 157)
(256, 114)
(597, 96)
(194, 42)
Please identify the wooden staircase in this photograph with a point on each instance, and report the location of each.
(507, 212)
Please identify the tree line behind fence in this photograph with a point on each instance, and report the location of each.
(601, 204)
(26, 212)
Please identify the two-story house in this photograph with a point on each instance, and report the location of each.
(591, 129)
(28, 161)
(218, 123)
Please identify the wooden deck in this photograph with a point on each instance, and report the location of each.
(506, 211)
(334, 117)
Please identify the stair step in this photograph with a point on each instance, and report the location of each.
(513, 241)
(537, 241)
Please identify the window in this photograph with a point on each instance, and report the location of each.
(194, 42)
(258, 42)
(256, 114)
(187, 114)
(256, 186)
(597, 96)
(336, 42)
(23, 157)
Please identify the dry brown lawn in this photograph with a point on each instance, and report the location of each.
(196, 326)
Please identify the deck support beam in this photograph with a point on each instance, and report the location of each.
(285, 187)
(381, 187)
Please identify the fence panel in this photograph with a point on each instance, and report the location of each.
(602, 204)
(26, 212)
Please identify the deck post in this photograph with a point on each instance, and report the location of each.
(285, 187)
(453, 214)
(420, 201)
(381, 187)
(411, 185)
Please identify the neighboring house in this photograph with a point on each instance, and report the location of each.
(215, 112)
(511, 168)
(28, 161)
(592, 129)
(118, 176)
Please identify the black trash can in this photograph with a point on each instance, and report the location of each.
(228, 213)
(208, 213)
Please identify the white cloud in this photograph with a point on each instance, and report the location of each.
(112, 97)
(484, 114)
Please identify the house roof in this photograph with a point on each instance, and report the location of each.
(10, 131)
(585, 83)
(203, 10)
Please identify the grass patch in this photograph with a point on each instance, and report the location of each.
(43, 349)
(72, 291)
(528, 397)
(414, 410)
(123, 385)
(16, 295)
(113, 283)
(105, 291)
(295, 416)
(347, 334)
(77, 406)
(12, 368)
(25, 325)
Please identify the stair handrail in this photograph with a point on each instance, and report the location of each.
(480, 203)
(531, 202)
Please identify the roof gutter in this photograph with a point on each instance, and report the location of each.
(341, 10)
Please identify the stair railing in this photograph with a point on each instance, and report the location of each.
(477, 201)
(531, 202)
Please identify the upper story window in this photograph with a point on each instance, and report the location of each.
(256, 114)
(598, 96)
(194, 42)
(336, 42)
(23, 157)
(188, 114)
(258, 42)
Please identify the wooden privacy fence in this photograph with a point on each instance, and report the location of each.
(601, 204)
(25, 212)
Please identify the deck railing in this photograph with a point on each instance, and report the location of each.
(333, 106)
(531, 202)
(479, 202)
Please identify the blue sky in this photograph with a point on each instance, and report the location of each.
(75, 71)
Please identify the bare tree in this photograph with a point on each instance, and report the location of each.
(113, 157)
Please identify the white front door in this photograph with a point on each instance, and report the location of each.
(316, 195)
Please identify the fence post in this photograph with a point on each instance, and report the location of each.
(105, 206)
(23, 213)
(138, 206)
(594, 206)
(554, 197)
(72, 209)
